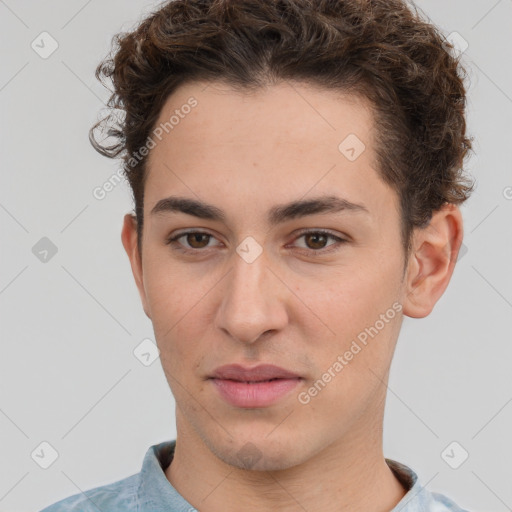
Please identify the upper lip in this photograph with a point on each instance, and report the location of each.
(255, 374)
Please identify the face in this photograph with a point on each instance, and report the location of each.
(313, 288)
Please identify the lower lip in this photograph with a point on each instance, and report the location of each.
(258, 394)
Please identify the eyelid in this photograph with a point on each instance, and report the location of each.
(174, 237)
(325, 232)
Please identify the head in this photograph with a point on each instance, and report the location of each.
(266, 122)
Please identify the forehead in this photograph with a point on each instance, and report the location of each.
(286, 113)
(272, 144)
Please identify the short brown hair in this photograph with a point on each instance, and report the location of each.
(381, 49)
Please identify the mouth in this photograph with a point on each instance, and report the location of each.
(253, 381)
(256, 387)
(260, 373)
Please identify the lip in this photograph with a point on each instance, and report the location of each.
(255, 374)
(260, 386)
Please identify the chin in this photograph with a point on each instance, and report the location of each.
(257, 454)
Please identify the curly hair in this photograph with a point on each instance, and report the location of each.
(382, 50)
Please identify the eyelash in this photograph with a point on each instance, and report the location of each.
(173, 241)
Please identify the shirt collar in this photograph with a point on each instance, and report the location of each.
(156, 494)
(416, 496)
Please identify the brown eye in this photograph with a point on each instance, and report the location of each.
(191, 241)
(315, 240)
(319, 242)
(198, 240)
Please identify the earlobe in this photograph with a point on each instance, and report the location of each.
(432, 261)
(130, 244)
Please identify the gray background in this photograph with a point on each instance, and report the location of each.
(70, 324)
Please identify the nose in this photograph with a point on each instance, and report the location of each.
(253, 301)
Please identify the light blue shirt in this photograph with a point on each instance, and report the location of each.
(150, 491)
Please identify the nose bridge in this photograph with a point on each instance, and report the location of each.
(250, 304)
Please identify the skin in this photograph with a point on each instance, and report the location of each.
(299, 305)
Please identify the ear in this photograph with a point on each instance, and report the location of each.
(130, 244)
(432, 260)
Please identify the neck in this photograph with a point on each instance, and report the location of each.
(350, 475)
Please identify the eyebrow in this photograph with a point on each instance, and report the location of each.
(276, 215)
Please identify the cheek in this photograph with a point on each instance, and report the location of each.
(365, 316)
(171, 292)
(354, 298)
(361, 308)
(174, 301)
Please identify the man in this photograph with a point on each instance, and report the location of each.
(296, 168)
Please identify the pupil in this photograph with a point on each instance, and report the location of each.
(196, 239)
(317, 236)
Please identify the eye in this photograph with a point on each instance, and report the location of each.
(196, 240)
(316, 241)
